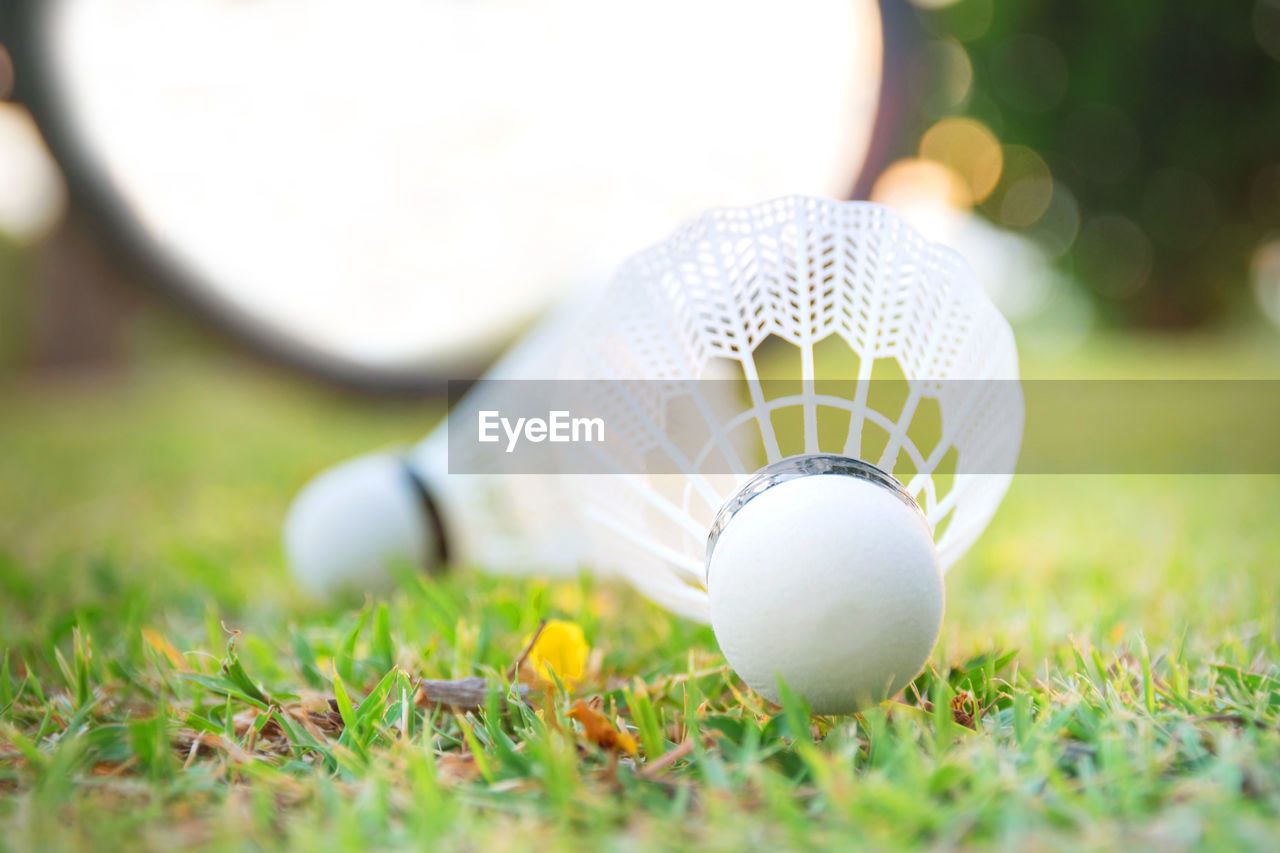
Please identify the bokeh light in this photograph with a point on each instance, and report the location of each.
(1055, 231)
(982, 106)
(944, 76)
(1266, 26)
(926, 193)
(913, 179)
(32, 194)
(1265, 274)
(1113, 255)
(1029, 73)
(1174, 134)
(970, 149)
(1024, 191)
(965, 20)
(1012, 268)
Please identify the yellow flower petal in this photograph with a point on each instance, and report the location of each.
(560, 648)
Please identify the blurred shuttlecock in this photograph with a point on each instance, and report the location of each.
(352, 524)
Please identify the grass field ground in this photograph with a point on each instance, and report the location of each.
(1109, 672)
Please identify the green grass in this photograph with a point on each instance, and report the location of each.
(1112, 641)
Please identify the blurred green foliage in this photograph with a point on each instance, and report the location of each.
(1157, 119)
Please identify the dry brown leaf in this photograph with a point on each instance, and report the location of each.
(601, 731)
(457, 694)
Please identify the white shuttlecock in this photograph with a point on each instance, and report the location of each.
(823, 567)
(810, 524)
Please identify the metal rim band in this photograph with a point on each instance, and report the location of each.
(794, 468)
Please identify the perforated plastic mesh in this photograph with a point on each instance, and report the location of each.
(807, 301)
